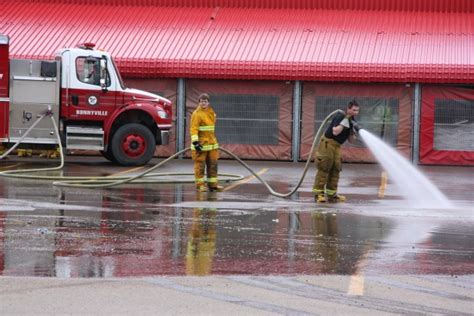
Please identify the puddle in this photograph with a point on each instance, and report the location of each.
(203, 241)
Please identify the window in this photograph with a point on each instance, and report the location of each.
(377, 115)
(88, 70)
(453, 125)
(247, 119)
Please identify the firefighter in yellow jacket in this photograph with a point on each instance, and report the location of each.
(204, 145)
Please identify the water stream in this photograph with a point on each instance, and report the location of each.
(416, 188)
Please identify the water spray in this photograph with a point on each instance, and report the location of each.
(413, 185)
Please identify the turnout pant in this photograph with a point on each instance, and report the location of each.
(205, 161)
(328, 164)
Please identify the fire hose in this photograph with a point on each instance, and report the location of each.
(26, 173)
(111, 181)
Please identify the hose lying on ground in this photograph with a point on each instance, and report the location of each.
(111, 181)
(87, 182)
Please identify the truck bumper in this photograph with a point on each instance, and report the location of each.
(165, 137)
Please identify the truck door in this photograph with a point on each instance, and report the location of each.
(86, 99)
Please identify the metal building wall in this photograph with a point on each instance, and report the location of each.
(255, 118)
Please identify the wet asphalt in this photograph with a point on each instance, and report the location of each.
(241, 250)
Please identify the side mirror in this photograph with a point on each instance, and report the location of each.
(103, 73)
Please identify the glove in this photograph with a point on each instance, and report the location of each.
(345, 123)
(197, 146)
(356, 126)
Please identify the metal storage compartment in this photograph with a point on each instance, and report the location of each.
(34, 89)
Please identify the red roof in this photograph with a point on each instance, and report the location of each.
(435, 44)
(386, 5)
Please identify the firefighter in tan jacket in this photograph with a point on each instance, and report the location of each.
(204, 145)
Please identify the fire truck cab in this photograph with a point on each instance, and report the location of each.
(83, 90)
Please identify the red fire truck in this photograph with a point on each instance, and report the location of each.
(84, 92)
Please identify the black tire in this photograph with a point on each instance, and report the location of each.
(133, 145)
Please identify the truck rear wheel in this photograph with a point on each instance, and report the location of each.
(133, 145)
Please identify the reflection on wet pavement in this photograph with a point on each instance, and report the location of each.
(150, 230)
(127, 233)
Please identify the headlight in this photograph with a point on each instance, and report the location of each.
(162, 114)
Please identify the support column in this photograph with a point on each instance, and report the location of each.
(296, 137)
(416, 125)
(180, 116)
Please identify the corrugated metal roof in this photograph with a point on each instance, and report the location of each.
(248, 43)
(386, 5)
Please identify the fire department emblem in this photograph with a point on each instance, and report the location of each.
(92, 100)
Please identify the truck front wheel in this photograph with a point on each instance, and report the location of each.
(133, 145)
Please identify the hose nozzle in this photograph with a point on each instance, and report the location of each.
(356, 126)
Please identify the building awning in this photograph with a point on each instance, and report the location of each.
(314, 44)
